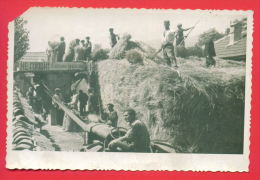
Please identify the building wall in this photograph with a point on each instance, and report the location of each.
(229, 51)
(233, 45)
(62, 80)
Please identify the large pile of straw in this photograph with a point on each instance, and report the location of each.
(126, 46)
(118, 51)
(196, 109)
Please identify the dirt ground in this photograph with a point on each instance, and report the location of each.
(53, 138)
(62, 140)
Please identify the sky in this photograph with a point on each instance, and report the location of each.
(47, 24)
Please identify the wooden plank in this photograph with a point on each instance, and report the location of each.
(71, 114)
(46, 66)
(237, 49)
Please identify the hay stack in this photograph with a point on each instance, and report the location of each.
(53, 44)
(118, 51)
(147, 52)
(134, 57)
(196, 109)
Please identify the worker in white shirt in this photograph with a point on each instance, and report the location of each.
(167, 45)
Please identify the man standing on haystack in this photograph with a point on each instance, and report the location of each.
(167, 45)
(113, 37)
(61, 50)
(209, 52)
(180, 35)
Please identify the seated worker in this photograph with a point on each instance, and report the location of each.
(137, 139)
(111, 116)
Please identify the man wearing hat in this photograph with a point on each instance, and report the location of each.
(180, 35)
(167, 45)
(113, 37)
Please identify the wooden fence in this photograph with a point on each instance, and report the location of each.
(47, 66)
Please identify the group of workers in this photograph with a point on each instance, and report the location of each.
(35, 97)
(167, 47)
(169, 51)
(78, 103)
(78, 50)
(137, 138)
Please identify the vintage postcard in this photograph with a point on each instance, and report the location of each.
(129, 89)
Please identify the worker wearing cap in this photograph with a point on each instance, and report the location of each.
(180, 35)
(113, 37)
(167, 45)
(137, 138)
(111, 115)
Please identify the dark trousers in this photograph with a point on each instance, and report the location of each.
(60, 57)
(69, 56)
(210, 61)
(57, 116)
(88, 54)
(82, 108)
(60, 116)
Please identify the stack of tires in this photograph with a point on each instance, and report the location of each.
(22, 127)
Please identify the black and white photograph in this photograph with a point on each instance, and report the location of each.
(129, 89)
